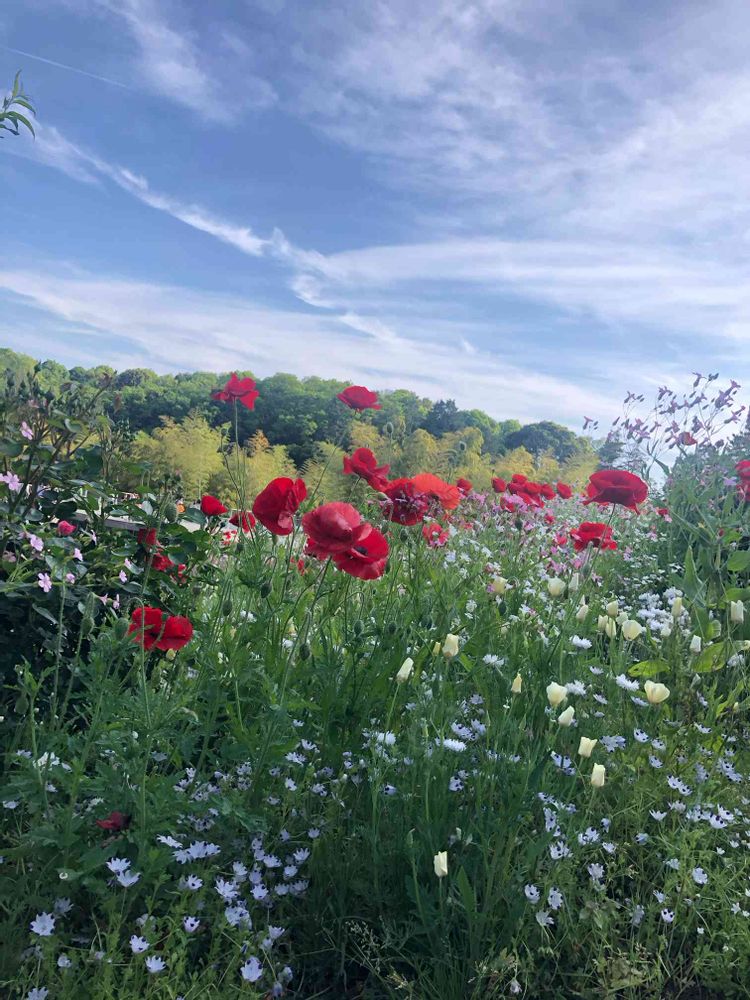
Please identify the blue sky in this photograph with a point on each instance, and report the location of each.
(528, 206)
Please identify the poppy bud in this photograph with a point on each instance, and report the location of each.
(440, 864)
(566, 718)
(358, 627)
(403, 535)
(656, 693)
(388, 428)
(170, 512)
(556, 694)
(598, 773)
(265, 589)
(304, 651)
(586, 746)
(391, 628)
(227, 608)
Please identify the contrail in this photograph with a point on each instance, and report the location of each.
(59, 65)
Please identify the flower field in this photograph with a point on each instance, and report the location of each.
(419, 742)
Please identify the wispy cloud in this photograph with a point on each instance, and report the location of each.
(169, 328)
(59, 65)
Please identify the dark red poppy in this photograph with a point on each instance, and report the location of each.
(366, 559)
(593, 533)
(357, 397)
(115, 822)
(662, 511)
(161, 563)
(547, 491)
(363, 463)
(498, 484)
(406, 504)
(149, 627)
(743, 467)
(686, 439)
(248, 521)
(147, 537)
(212, 507)
(434, 534)
(240, 389)
(616, 486)
(464, 486)
(332, 528)
(276, 504)
(65, 528)
(549, 518)
(564, 491)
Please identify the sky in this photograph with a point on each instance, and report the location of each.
(527, 206)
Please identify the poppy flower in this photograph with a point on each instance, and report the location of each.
(367, 558)
(115, 822)
(593, 533)
(161, 563)
(241, 390)
(275, 505)
(357, 397)
(616, 486)
(434, 534)
(464, 486)
(743, 467)
(686, 439)
(248, 521)
(147, 537)
(564, 491)
(65, 528)
(212, 507)
(663, 512)
(332, 529)
(150, 628)
(363, 463)
(547, 491)
(447, 495)
(406, 504)
(498, 484)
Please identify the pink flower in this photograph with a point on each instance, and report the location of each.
(26, 431)
(44, 582)
(12, 481)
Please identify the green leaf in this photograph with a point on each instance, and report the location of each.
(648, 668)
(713, 657)
(467, 893)
(738, 562)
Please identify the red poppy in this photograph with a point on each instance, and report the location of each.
(593, 533)
(212, 507)
(276, 504)
(248, 521)
(356, 397)
(147, 537)
(363, 463)
(115, 822)
(663, 511)
(332, 528)
(65, 528)
(406, 504)
(528, 491)
(464, 486)
(564, 491)
(498, 484)
(366, 559)
(434, 534)
(161, 563)
(241, 390)
(549, 518)
(743, 467)
(151, 629)
(547, 491)
(447, 495)
(616, 486)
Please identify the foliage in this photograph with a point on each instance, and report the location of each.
(11, 119)
(365, 788)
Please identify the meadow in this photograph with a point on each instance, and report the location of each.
(421, 740)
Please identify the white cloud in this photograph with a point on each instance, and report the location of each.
(173, 329)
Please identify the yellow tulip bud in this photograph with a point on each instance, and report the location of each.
(736, 612)
(566, 718)
(436, 649)
(612, 609)
(405, 671)
(582, 612)
(601, 623)
(631, 629)
(517, 684)
(598, 773)
(556, 694)
(556, 587)
(695, 644)
(575, 583)
(499, 585)
(677, 607)
(656, 693)
(440, 864)
(450, 646)
(586, 746)
(611, 628)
